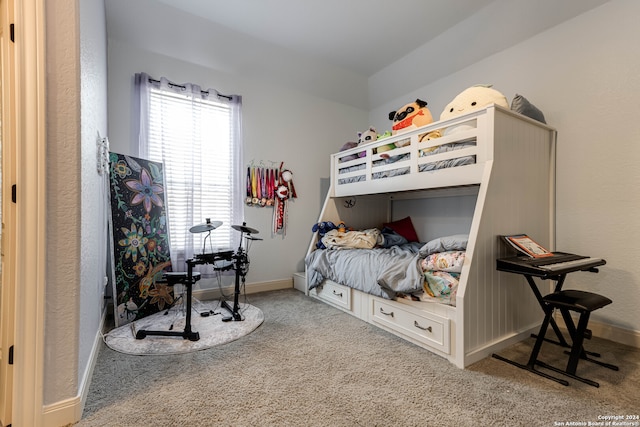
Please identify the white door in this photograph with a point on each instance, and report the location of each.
(7, 212)
(23, 117)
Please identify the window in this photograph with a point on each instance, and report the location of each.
(194, 133)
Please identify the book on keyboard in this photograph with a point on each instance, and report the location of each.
(555, 264)
(527, 246)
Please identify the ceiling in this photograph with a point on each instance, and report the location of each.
(360, 35)
(363, 36)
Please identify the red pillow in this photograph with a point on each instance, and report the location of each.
(403, 227)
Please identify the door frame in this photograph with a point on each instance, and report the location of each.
(29, 255)
(8, 147)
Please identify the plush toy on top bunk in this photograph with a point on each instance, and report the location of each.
(412, 116)
(365, 137)
(470, 99)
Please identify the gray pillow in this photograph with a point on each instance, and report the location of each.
(456, 242)
(521, 105)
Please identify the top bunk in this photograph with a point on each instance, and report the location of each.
(413, 160)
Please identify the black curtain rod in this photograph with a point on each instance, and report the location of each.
(184, 87)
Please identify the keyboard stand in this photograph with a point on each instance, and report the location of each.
(549, 320)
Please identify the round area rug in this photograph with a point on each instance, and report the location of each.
(212, 330)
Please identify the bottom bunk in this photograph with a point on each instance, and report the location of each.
(364, 260)
(406, 288)
(444, 295)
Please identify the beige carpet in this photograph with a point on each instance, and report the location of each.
(310, 364)
(211, 329)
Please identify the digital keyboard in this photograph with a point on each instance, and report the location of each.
(558, 264)
(581, 263)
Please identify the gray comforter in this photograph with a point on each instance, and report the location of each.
(380, 272)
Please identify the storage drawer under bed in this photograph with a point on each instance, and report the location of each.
(426, 328)
(334, 293)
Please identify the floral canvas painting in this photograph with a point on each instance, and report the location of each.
(140, 238)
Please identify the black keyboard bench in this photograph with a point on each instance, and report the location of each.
(566, 301)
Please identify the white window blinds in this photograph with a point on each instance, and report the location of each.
(194, 136)
(197, 136)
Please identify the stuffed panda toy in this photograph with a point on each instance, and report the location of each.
(369, 135)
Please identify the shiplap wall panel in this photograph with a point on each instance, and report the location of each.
(518, 199)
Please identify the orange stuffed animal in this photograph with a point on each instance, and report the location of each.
(411, 116)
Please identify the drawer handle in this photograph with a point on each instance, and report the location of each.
(338, 294)
(417, 325)
(386, 314)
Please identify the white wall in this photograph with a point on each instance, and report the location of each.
(585, 76)
(62, 300)
(280, 124)
(76, 253)
(94, 190)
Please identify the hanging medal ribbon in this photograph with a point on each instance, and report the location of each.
(263, 188)
(258, 185)
(254, 187)
(271, 190)
(247, 200)
(271, 187)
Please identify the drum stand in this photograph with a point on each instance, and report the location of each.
(240, 267)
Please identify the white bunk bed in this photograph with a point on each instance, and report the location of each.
(511, 184)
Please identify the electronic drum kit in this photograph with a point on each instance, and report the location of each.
(238, 261)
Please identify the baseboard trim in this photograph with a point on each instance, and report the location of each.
(69, 411)
(250, 288)
(62, 413)
(609, 332)
(614, 333)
